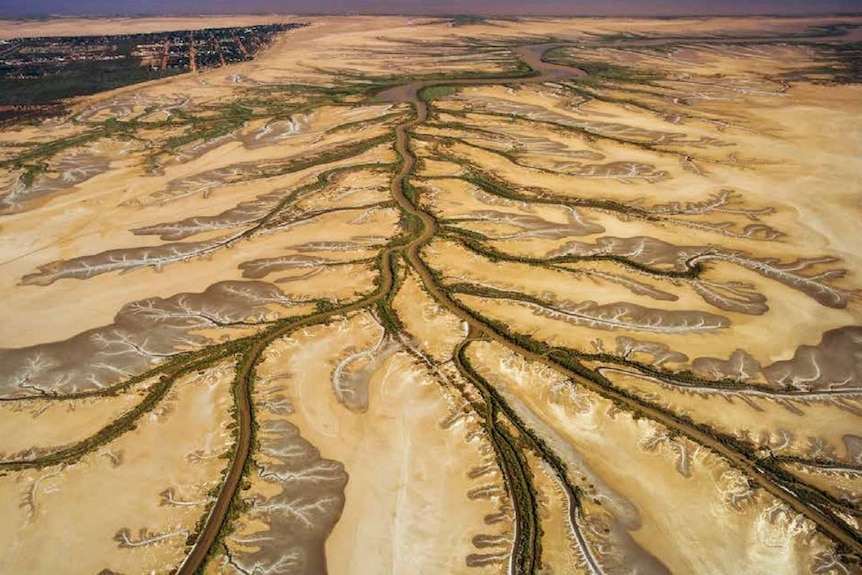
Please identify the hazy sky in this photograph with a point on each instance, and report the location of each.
(562, 7)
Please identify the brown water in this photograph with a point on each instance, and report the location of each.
(531, 55)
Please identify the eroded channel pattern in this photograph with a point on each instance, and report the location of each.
(423, 296)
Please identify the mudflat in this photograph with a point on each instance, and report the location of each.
(442, 296)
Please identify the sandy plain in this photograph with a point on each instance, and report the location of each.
(399, 506)
(690, 496)
(684, 212)
(127, 523)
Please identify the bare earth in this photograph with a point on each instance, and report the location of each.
(557, 296)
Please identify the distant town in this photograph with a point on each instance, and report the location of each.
(37, 73)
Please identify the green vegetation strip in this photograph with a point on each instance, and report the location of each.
(123, 424)
(473, 242)
(520, 487)
(517, 476)
(229, 503)
(498, 187)
(508, 433)
(736, 452)
(805, 499)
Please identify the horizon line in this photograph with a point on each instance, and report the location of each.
(681, 15)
